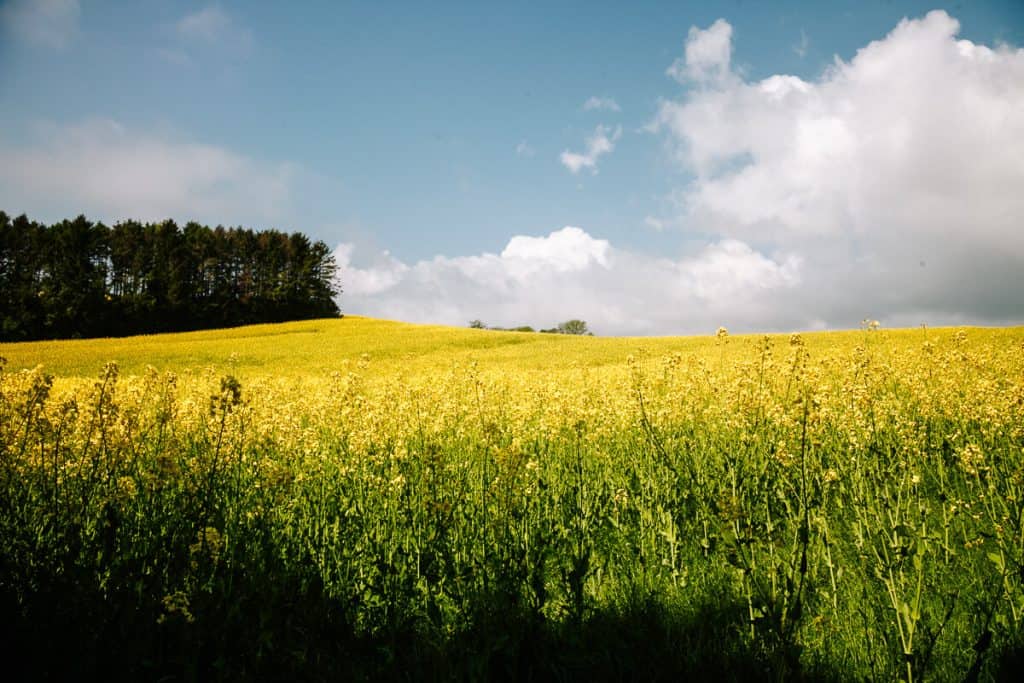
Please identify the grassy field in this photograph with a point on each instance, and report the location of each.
(367, 500)
(318, 347)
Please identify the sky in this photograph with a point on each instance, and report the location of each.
(651, 168)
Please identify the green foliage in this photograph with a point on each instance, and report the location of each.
(573, 327)
(568, 327)
(83, 279)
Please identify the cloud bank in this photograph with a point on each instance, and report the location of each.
(541, 281)
(888, 188)
(110, 172)
(893, 176)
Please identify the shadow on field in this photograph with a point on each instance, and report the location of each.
(305, 639)
(293, 632)
(649, 642)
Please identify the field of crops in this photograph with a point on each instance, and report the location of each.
(368, 500)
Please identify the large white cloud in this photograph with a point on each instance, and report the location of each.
(110, 172)
(541, 281)
(896, 176)
(889, 187)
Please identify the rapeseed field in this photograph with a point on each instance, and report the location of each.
(362, 499)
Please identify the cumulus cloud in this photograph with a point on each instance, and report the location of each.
(600, 143)
(895, 176)
(567, 274)
(888, 187)
(108, 171)
(49, 23)
(595, 103)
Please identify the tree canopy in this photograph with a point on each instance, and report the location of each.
(573, 327)
(77, 278)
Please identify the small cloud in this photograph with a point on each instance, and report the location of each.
(601, 103)
(523, 149)
(49, 23)
(212, 26)
(654, 223)
(707, 57)
(601, 142)
(801, 48)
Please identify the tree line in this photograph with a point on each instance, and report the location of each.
(574, 326)
(77, 278)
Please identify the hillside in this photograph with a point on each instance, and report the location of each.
(317, 347)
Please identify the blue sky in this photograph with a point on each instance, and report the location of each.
(413, 134)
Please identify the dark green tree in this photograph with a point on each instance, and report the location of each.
(22, 268)
(574, 327)
(75, 278)
(78, 278)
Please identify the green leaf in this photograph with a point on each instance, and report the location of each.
(997, 560)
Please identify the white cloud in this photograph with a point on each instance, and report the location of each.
(213, 28)
(541, 281)
(50, 23)
(524, 149)
(708, 55)
(601, 142)
(895, 176)
(595, 103)
(889, 188)
(567, 250)
(384, 274)
(110, 172)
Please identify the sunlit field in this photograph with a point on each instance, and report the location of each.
(362, 499)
